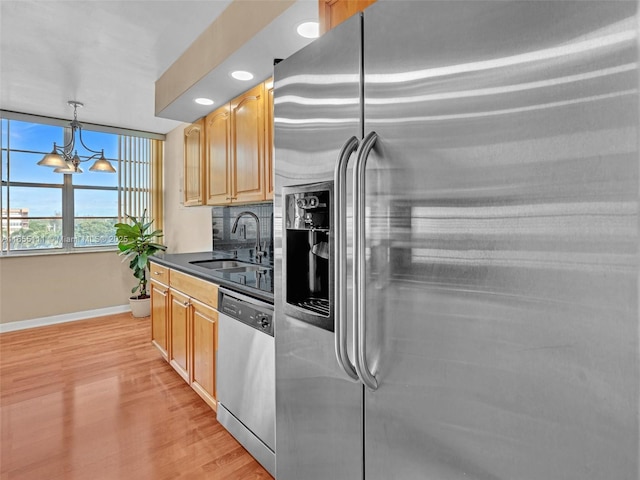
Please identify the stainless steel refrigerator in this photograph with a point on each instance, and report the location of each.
(457, 196)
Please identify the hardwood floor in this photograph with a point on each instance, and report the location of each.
(93, 400)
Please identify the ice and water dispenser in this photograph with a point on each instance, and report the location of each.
(308, 253)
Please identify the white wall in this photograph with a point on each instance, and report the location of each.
(37, 286)
(186, 229)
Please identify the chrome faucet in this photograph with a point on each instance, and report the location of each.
(259, 251)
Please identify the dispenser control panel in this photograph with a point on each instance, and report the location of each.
(308, 210)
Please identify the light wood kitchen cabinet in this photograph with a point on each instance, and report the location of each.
(238, 149)
(179, 328)
(217, 154)
(334, 12)
(203, 291)
(191, 327)
(268, 137)
(159, 292)
(159, 273)
(193, 164)
(247, 146)
(159, 316)
(204, 345)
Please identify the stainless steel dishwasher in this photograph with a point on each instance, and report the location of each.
(246, 374)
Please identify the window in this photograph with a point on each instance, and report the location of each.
(47, 211)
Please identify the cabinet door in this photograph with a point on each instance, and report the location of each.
(334, 12)
(217, 146)
(268, 136)
(203, 360)
(193, 155)
(180, 307)
(247, 139)
(159, 317)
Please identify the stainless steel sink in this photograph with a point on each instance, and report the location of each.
(221, 264)
(242, 269)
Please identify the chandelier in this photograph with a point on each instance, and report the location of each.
(65, 159)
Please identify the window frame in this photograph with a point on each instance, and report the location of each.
(68, 188)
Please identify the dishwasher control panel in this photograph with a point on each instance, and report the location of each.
(251, 312)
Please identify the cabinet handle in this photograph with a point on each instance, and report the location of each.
(157, 273)
(165, 292)
(186, 304)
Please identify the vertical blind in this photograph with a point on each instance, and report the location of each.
(140, 176)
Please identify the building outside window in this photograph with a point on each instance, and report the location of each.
(19, 219)
(46, 211)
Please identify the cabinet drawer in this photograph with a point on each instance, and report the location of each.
(201, 290)
(159, 273)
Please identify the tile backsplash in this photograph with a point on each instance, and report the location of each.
(245, 236)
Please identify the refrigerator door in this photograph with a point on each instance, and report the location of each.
(503, 324)
(318, 408)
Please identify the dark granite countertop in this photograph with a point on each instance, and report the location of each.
(256, 284)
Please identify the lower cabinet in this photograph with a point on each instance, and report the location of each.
(204, 345)
(179, 320)
(160, 317)
(190, 320)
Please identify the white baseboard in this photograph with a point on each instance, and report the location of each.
(65, 317)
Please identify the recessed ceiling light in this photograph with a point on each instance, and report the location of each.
(309, 30)
(204, 101)
(242, 75)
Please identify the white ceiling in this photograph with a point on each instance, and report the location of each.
(107, 54)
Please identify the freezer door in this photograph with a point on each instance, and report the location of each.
(502, 230)
(318, 408)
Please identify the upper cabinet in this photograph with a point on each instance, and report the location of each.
(218, 158)
(193, 163)
(268, 138)
(238, 149)
(334, 12)
(228, 155)
(247, 146)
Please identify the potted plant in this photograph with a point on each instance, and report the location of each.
(137, 243)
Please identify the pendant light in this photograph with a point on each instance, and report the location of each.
(65, 159)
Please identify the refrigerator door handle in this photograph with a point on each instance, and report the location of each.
(359, 264)
(340, 219)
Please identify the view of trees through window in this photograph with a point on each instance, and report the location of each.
(41, 209)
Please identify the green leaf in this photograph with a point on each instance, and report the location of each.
(135, 244)
(142, 261)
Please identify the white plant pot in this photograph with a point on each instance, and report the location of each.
(140, 307)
